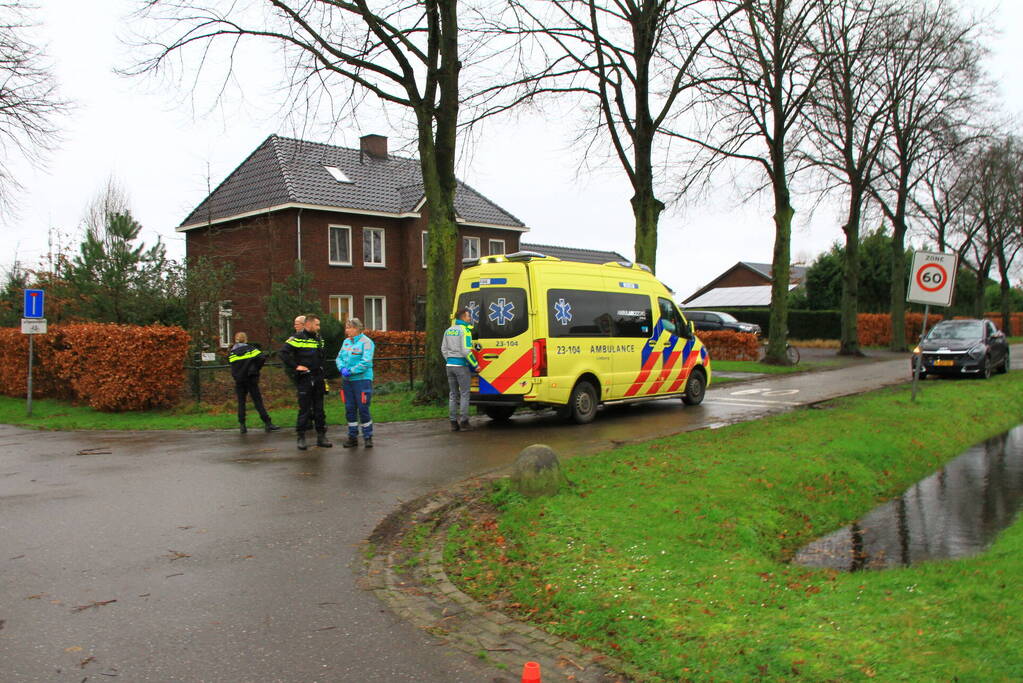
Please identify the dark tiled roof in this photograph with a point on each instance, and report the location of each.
(796, 273)
(286, 170)
(573, 254)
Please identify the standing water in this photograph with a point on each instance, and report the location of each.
(955, 512)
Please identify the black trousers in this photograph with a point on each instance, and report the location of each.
(310, 404)
(250, 387)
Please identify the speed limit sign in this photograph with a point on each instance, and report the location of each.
(932, 278)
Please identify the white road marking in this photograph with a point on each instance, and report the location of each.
(757, 401)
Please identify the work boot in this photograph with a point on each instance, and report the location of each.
(368, 442)
(321, 440)
(270, 427)
(242, 428)
(454, 426)
(301, 441)
(350, 442)
(465, 426)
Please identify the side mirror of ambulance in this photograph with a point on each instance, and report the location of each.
(692, 329)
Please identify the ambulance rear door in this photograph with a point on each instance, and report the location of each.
(499, 303)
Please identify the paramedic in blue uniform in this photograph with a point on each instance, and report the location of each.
(355, 362)
(460, 362)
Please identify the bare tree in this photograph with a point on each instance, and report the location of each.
(1002, 176)
(759, 81)
(111, 200)
(634, 61)
(406, 54)
(932, 76)
(946, 191)
(29, 102)
(848, 124)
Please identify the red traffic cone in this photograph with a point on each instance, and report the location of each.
(531, 672)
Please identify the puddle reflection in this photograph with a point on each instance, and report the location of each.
(955, 512)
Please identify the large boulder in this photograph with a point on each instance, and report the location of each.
(537, 472)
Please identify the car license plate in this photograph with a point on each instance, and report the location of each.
(947, 363)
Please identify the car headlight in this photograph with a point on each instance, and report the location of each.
(916, 350)
(978, 351)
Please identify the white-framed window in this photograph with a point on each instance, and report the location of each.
(224, 328)
(425, 245)
(341, 307)
(373, 247)
(339, 238)
(376, 313)
(495, 247)
(470, 247)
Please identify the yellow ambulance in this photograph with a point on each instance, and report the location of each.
(574, 336)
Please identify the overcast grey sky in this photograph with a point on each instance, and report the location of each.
(164, 149)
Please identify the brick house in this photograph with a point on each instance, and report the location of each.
(357, 220)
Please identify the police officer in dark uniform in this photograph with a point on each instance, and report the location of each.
(246, 361)
(303, 354)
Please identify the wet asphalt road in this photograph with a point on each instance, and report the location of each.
(236, 558)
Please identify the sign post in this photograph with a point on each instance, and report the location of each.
(931, 281)
(32, 323)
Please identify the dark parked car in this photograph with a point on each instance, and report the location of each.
(962, 347)
(717, 320)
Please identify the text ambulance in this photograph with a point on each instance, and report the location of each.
(576, 335)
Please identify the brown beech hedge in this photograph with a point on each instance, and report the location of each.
(727, 345)
(109, 367)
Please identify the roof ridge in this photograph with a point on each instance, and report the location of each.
(227, 177)
(285, 173)
(390, 156)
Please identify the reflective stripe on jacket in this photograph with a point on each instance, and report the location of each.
(456, 347)
(303, 348)
(357, 355)
(246, 360)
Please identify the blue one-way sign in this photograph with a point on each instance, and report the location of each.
(33, 303)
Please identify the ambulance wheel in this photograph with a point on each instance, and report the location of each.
(696, 388)
(582, 405)
(499, 413)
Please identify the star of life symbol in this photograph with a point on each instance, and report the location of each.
(474, 311)
(501, 311)
(563, 311)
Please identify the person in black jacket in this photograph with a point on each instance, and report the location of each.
(246, 361)
(302, 353)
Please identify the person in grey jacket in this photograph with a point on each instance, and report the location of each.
(456, 347)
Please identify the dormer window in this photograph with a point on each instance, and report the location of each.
(338, 174)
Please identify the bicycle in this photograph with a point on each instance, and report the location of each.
(791, 352)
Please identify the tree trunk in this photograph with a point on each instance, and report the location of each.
(647, 209)
(437, 128)
(1006, 308)
(1004, 286)
(779, 319)
(850, 342)
(898, 300)
(979, 296)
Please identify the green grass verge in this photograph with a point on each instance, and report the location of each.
(51, 414)
(753, 366)
(670, 554)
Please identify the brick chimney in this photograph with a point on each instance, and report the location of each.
(374, 145)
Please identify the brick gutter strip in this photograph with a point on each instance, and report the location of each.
(414, 585)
